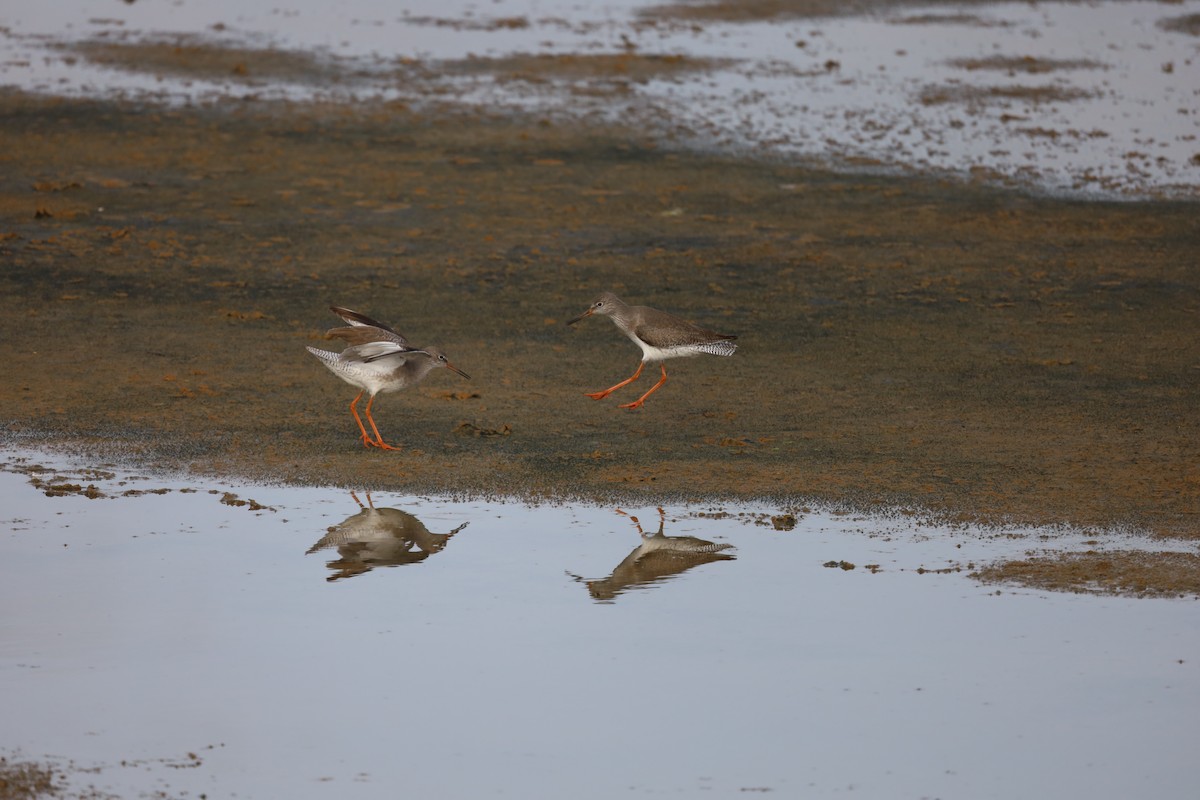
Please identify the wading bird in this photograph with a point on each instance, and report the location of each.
(659, 334)
(377, 360)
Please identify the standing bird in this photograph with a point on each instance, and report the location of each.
(377, 360)
(659, 334)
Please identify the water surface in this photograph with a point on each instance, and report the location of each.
(202, 637)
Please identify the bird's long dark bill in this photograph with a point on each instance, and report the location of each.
(453, 368)
(587, 313)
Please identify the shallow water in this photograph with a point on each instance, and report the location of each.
(1095, 99)
(189, 637)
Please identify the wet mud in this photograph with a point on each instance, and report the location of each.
(973, 353)
(22, 778)
(26, 779)
(1131, 573)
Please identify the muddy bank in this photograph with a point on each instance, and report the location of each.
(973, 353)
(1129, 573)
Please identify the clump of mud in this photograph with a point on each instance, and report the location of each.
(26, 780)
(1126, 572)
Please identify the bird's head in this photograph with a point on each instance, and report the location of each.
(605, 304)
(438, 359)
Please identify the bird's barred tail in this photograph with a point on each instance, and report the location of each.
(690, 544)
(721, 348)
(325, 355)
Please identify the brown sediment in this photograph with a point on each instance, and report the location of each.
(935, 95)
(23, 778)
(1027, 65)
(196, 57)
(1134, 573)
(631, 66)
(756, 10)
(1188, 23)
(26, 780)
(752, 10)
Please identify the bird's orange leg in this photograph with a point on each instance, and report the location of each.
(379, 442)
(638, 403)
(366, 439)
(610, 390)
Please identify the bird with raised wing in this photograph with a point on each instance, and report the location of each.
(660, 336)
(378, 359)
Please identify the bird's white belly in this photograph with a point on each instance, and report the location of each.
(374, 377)
(651, 354)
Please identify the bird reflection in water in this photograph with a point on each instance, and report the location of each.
(379, 537)
(657, 559)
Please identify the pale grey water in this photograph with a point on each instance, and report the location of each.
(140, 629)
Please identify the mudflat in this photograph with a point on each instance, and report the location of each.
(905, 343)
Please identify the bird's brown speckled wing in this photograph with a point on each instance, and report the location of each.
(664, 331)
(363, 329)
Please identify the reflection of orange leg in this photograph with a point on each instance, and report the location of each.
(610, 390)
(366, 439)
(638, 403)
(662, 521)
(634, 520)
(379, 442)
(360, 505)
